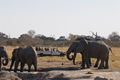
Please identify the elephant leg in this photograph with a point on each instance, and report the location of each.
(87, 62)
(106, 63)
(101, 64)
(29, 67)
(35, 66)
(11, 65)
(0, 64)
(83, 63)
(97, 62)
(22, 67)
(16, 66)
(74, 58)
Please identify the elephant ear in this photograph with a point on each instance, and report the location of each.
(1, 49)
(83, 44)
(19, 49)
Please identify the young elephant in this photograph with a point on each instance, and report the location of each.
(96, 63)
(24, 56)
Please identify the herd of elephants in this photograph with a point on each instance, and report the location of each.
(87, 48)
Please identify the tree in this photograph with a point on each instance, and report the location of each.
(25, 36)
(42, 37)
(114, 36)
(31, 33)
(3, 35)
(72, 37)
(3, 38)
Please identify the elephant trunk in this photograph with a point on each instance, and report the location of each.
(5, 62)
(13, 60)
(5, 56)
(68, 56)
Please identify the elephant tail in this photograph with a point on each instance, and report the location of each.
(113, 53)
(111, 50)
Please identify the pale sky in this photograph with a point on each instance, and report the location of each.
(59, 17)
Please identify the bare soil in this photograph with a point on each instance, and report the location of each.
(59, 68)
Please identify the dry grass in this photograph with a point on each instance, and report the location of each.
(9, 50)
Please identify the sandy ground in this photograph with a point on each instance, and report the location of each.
(56, 68)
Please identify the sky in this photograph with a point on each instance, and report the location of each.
(59, 17)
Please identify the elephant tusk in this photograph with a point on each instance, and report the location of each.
(2, 61)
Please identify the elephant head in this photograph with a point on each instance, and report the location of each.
(4, 55)
(71, 49)
(77, 47)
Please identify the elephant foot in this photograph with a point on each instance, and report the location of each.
(15, 71)
(88, 66)
(106, 67)
(74, 64)
(21, 70)
(82, 67)
(9, 70)
(95, 65)
(100, 67)
(28, 70)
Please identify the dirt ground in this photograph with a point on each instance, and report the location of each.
(59, 68)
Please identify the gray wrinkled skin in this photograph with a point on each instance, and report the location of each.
(90, 49)
(24, 56)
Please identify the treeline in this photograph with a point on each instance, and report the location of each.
(30, 38)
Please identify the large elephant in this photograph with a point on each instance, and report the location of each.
(91, 49)
(24, 56)
(89, 39)
(73, 49)
(3, 54)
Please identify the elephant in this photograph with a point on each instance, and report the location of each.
(74, 56)
(73, 48)
(89, 39)
(3, 54)
(90, 49)
(24, 56)
(96, 63)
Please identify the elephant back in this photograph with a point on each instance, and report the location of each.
(29, 50)
(27, 55)
(99, 49)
